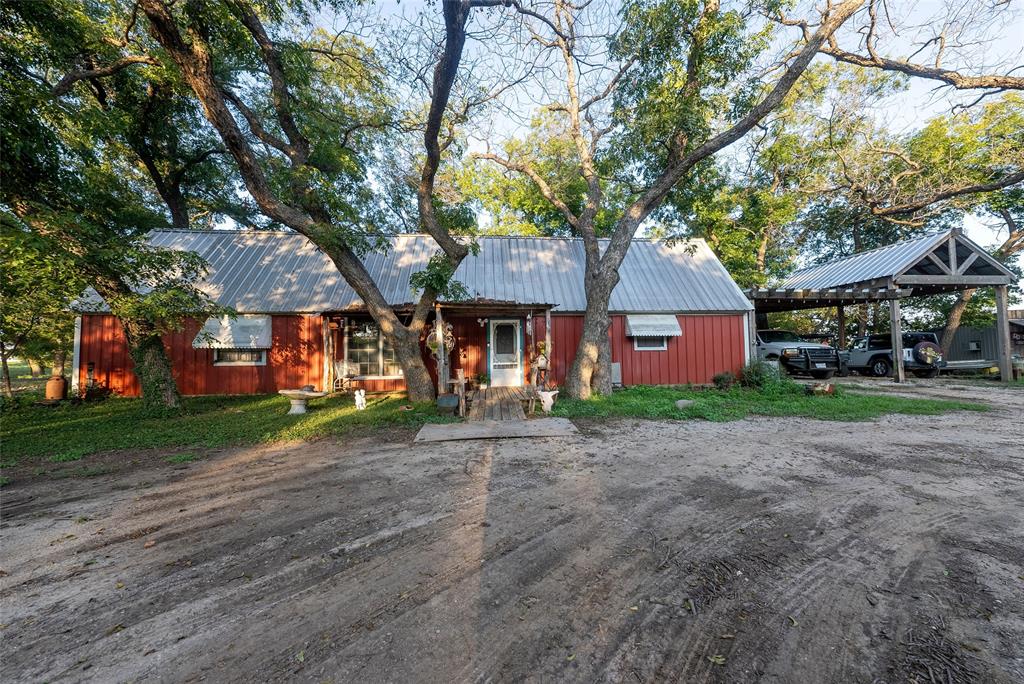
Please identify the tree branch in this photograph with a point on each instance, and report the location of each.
(542, 185)
(947, 76)
(925, 201)
(65, 84)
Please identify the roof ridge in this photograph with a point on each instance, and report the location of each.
(290, 233)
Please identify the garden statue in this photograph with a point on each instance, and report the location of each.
(360, 399)
(547, 399)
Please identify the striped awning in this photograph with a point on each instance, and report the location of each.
(652, 325)
(241, 332)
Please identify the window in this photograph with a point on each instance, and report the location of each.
(770, 336)
(650, 343)
(239, 357)
(369, 353)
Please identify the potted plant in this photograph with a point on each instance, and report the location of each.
(482, 380)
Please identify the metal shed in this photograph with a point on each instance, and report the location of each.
(940, 262)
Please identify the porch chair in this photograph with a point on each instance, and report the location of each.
(342, 377)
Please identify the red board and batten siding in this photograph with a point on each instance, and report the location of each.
(709, 344)
(294, 359)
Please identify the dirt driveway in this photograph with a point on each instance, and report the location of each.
(781, 550)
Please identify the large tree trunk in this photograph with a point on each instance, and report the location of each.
(152, 367)
(590, 372)
(955, 314)
(8, 389)
(418, 383)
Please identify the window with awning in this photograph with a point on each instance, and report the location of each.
(240, 332)
(650, 332)
(653, 325)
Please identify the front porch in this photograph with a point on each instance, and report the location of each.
(490, 344)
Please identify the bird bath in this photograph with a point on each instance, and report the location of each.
(299, 398)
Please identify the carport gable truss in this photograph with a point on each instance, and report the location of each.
(932, 264)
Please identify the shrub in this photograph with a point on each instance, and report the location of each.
(757, 374)
(724, 380)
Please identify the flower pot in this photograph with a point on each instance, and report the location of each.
(542, 362)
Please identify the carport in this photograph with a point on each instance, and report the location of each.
(932, 264)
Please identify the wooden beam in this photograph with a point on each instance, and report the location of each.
(841, 319)
(967, 263)
(965, 280)
(442, 358)
(938, 262)
(1003, 333)
(547, 344)
(898, 372)
(952, 252)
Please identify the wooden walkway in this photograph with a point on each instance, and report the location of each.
(498, 403)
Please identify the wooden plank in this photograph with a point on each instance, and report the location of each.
(967, 263)
(972, 281)
(540, 427)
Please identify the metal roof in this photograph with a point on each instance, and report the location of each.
(884, 263)
(652, 325)
(278, 272)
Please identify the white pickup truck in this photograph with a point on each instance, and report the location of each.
(796, 355)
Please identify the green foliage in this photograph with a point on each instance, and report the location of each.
(36, 292)
(439, 276)
(724, 380)
(781, 399)
(67, 433)
(759, 374)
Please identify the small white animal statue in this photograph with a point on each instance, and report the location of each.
(360, 399)
(547, 399)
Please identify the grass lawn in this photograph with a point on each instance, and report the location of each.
(67, 433)
(780, 399)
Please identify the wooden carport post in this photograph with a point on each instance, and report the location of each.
(898, 372)
(1003, 333)
(841, 320)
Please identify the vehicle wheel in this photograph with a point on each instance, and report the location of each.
(881, 368)
(822, 375)
(930, 373)
(927, 352)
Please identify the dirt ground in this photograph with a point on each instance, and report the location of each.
(781, 550)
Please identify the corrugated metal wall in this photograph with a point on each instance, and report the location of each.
(295, 359)
(960, 350)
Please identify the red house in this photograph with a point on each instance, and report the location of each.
(677, 316)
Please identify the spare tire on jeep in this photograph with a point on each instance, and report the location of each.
(927, 353)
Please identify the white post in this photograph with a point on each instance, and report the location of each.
(76, 355)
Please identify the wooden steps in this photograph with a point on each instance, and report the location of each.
(498, 403)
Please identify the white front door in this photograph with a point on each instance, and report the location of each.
(506, 353)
